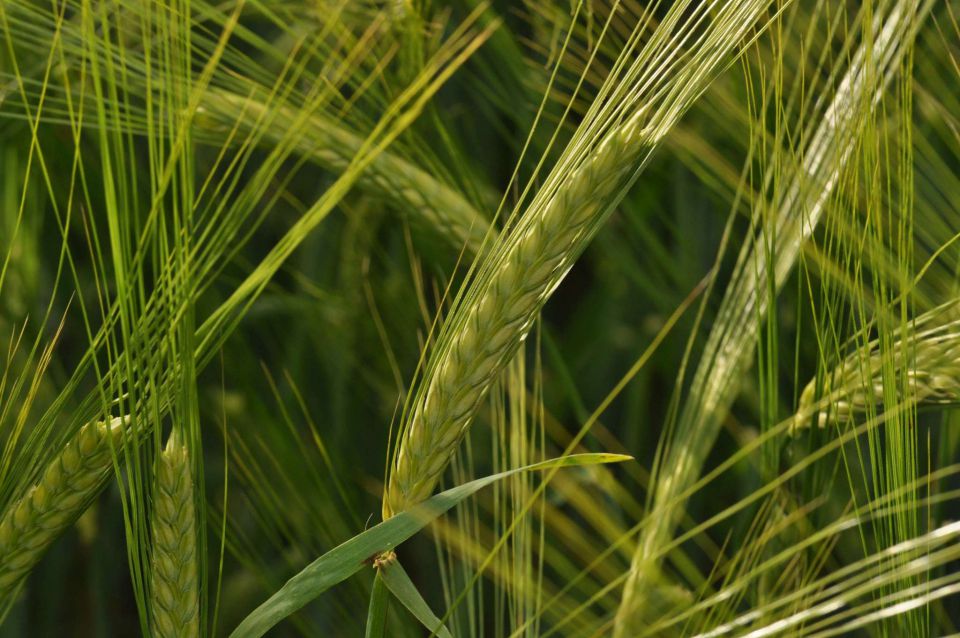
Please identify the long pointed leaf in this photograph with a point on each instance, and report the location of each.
(348, 558)
(399, 583)
(377, 613)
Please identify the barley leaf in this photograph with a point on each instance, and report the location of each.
(350, 557)
(402, 587)
(377, 612)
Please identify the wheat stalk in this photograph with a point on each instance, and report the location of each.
(174, 593)
(327, 143)
(927, 354)
(67, 487)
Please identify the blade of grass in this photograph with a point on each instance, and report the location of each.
(377, 613)
(350, 557)
(402, 587)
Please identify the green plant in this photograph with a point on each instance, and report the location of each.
(495, 313)
(628, 317)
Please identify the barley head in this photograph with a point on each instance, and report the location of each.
(928, 355)
(731, 342)
(174, 592)
(329, 144)
(533, 260)
(68, 485)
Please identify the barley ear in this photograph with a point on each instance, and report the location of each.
(927, 356)
(800, 201)
(68, 485)
(522, 272)
(174, 598)
(431, 201)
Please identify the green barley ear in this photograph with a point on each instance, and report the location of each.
(927, 352)
(326, 142)
(532, 262)
(69, 484)
(174, 597)
(493, 315)
(799, 200)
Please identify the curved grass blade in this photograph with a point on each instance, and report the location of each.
(400, 585)
(350, 557)
(377, 612)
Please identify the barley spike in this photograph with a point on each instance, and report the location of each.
(437, 205)
(68, 485)
(928, 353)
(534, 260)
(174, 597)
(730, 343)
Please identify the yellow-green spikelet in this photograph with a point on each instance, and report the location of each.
(499, 316)
(68, 485)
(174, 598)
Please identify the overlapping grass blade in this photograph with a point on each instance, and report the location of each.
(360, 551)
(406, 593)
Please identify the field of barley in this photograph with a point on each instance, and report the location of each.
(479, 318)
